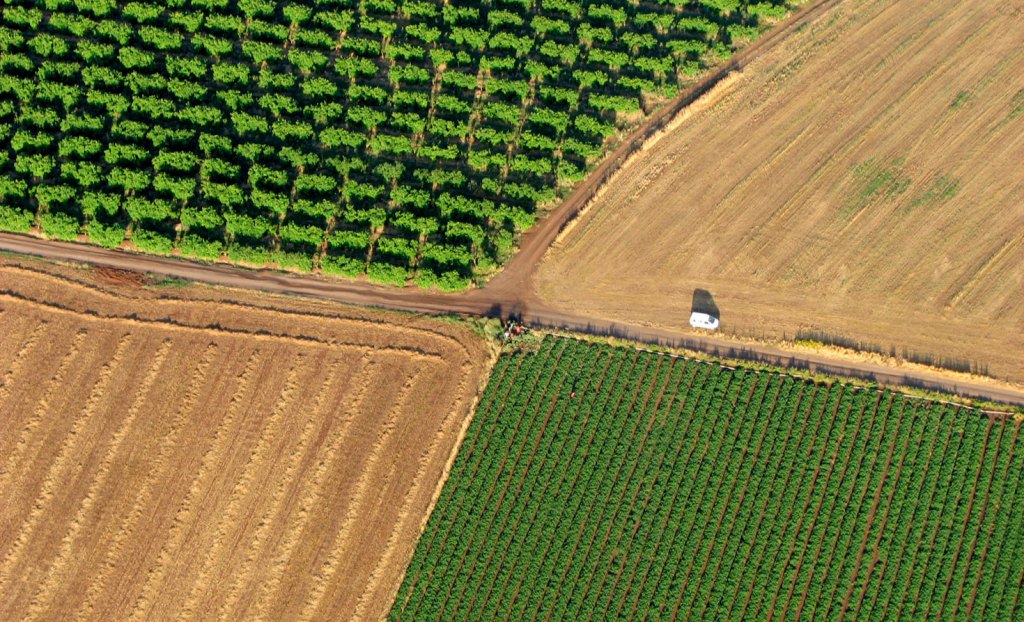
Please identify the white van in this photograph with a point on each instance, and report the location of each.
(703, 320)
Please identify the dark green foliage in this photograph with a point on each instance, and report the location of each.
(109, 236)
(257, 110)
(607, 483)
(59, 225)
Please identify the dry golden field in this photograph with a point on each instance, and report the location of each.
(865, 179)
(170, 454)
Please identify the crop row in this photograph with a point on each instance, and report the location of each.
(405, 139)
(601, 482)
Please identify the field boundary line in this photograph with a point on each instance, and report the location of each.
(778, 372)
(216, 329)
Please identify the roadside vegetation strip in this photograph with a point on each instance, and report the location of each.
(782, 497)
(409, 140)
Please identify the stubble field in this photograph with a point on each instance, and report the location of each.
(861, 180)
(171, 458)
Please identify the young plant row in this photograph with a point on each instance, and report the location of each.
(601, 482)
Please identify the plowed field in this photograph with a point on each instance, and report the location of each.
(863, 179)
(170, 454)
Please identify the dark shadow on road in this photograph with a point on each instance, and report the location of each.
(495, 311)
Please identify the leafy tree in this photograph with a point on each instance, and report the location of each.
(227, 195)
(299, 261)
(325, 113)
(59, 225)
(181, 188)
(140, 209)
(278, 104)
(217, 167)
(134, 58)
(85, 174)
(200, 116)
(346, 266)
(338, 137)
(45, 44)
(192, 245)
(47, 196)
(176, 161)
(319, 88)
(245, 123)
(273, 202)
(346, 238)
(301, 234)
(142, 12)
(22, 16)
(188, 21)
(227, 73)
(296, 158)
(109, 236)
(725, 7)
(159, 38)
(386, 143)
(288, 131)
(246, 226)
(152, 242)
(95, 203)
(118, 152)
(315, 183)
(201, 217)
(369, 118)
(261, 52)
(387, 273)
(322, 209)
(36, 165)
(213, 143)
(215, 47)
(155, 108)
(15, 219)
(257, 256)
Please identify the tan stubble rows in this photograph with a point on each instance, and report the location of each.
(207, 461)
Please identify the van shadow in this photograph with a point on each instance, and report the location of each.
(704, 302)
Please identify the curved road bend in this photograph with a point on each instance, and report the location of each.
(483, 302)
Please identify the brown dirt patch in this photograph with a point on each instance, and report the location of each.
(193, 453)
(863, 179)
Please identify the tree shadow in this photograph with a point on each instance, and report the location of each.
(704, 302)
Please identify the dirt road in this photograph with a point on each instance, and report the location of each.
(486, 302)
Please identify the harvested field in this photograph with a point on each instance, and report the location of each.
(168, 453)
(862, 180)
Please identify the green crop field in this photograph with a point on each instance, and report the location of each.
(669, 488)
(410, 140)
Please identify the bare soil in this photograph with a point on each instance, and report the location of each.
(862, 179)
(191, 453)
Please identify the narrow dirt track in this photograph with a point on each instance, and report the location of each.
(512, 291)
(484, 302)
